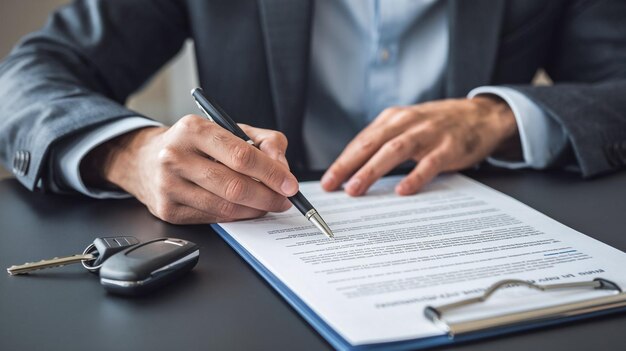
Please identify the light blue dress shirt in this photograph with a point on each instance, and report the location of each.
(366, 55)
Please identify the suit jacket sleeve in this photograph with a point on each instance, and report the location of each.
(77, 72)
(589, 58)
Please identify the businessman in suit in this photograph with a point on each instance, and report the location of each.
(356, 87)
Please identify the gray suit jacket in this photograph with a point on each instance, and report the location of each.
(80, 68)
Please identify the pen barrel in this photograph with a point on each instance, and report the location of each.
(217, 114)
(302, 204)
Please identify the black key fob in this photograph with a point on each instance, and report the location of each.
(146, 266)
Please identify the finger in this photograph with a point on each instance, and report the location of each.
(361, 149)
(230, 185)
(271, 142)
(193, 196)
(184, 215)
(180, 214)
(427, 169)
(244, 158)
(394, 152)
(387, 114)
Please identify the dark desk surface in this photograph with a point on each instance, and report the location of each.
(223, 304)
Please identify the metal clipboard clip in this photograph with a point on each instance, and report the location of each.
(436, 314)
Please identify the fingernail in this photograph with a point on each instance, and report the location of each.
(289, 186)
(354, 186)
(327, 179)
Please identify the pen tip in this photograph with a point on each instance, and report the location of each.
(317, 220)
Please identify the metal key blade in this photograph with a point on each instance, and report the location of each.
(53, 262)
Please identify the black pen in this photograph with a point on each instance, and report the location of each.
(214, 113)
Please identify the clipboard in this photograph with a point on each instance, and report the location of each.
(452, 333)
(554, 313)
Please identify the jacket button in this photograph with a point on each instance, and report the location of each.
(21, 161)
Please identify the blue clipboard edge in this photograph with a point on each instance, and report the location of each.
(338, 342)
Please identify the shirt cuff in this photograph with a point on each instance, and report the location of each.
(69, 155)
(542, 137)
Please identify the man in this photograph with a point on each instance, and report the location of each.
(394, 80)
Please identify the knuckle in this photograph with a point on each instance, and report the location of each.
(402, 116)
(281, 138)
(168, 156)
(391, 110)
(236, 190)
(429, 126)
(226, 209)
(397, 146)
(189, 122)
(243, 157)
(365, 144)
(193, 125)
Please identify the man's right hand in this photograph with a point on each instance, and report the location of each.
(196, 171)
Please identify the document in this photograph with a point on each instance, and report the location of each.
(393, 255)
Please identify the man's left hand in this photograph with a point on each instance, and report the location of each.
(444, 135)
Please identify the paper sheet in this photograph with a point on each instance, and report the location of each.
(394, 255)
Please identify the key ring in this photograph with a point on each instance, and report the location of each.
(89, 249)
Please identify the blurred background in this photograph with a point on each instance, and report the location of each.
(165, 98)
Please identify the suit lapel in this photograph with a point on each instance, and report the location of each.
(474, 36)
(286, 28)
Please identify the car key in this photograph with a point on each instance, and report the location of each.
(146, 266)
(105, 248)
(91, 258)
